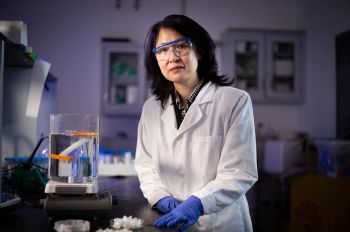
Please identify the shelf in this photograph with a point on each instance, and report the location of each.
(247, 55)
(116, 170)
(283, 78)
(121, 82)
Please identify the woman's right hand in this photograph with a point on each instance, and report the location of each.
(166, 204)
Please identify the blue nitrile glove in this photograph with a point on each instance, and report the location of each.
(166, 204)
(187, 213)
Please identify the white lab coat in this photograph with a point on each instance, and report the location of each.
(212, 156)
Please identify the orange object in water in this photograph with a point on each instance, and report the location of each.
(84, 133)
(61, 157)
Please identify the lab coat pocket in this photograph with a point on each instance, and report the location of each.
(206, 152)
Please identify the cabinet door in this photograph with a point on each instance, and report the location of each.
(284, 67)
(124, 78)
(243, 59)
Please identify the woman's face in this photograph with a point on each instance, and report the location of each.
(181, 69)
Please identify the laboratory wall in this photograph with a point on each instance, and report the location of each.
(68, 34)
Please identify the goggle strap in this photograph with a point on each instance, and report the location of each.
(169, 43)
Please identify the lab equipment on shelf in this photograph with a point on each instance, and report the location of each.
(116, 163)
(280, 156)
(333, 157)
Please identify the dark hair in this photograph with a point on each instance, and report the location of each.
(203, 43)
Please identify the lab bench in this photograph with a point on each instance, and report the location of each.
(130, 203)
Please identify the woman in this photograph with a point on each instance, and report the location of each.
(196, 153)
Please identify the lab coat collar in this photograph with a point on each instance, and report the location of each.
(206, 94)
(194, 114)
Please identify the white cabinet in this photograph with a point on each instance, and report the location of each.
(268, 64)
(124, 80)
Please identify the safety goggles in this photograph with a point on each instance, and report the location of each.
(180, 47)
